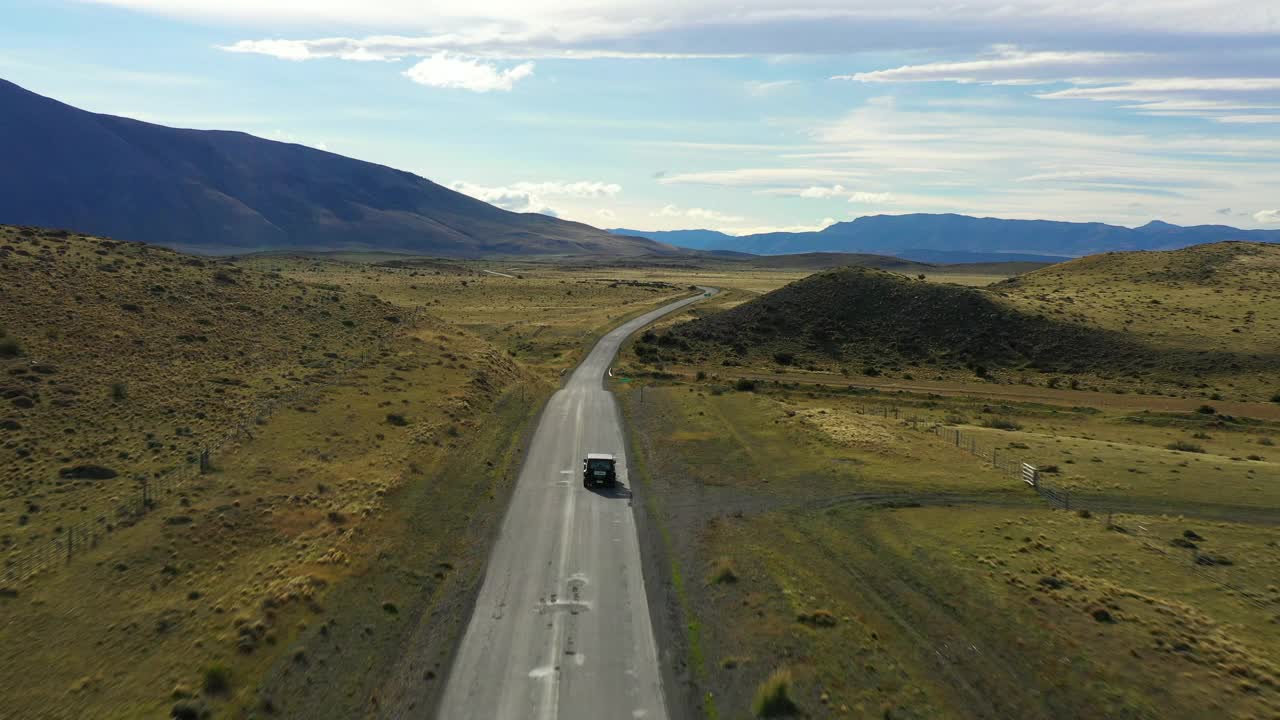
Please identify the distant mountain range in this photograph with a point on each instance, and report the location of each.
(960, 238)
(217, 191)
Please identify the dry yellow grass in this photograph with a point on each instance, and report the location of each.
(134, 358)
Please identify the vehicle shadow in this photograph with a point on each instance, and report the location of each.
(617, 491)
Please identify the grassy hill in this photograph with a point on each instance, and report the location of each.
(120, 359)
(1200, 320)
(1221, 296)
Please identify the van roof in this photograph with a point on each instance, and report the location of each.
(599, 456)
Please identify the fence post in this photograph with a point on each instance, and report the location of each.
(204, 461)
(71, 541)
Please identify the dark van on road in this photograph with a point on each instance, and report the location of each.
(599, 469)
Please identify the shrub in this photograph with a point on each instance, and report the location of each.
(1207, 410)
(396, 419)
(1184, 446)
(702, 375)
(784, 358)
(723, 572)
(217, 679)
(871, 371)
(745, 385)
(119, 392)
(773, 697)
(1001, 424)
(1275, 398)
(817, 618)
(9, 347)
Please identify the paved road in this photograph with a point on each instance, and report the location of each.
(561, 627)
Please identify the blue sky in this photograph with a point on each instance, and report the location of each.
(738, 115)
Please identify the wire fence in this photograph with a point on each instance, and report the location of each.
(1028, 473)
(186, 465)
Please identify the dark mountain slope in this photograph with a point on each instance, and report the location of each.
(218, 191)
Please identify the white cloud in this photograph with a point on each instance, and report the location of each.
(820, 192)
(1184, 82)
(758, 176)
(1247, 119)
(606, 214)
(584, 20)
(697, 214)
(1267, 217)
(484, 43)
(1006, 65)
(533, 196)
(756, 88)
(822, 224)
(443, 70)
(870, 198)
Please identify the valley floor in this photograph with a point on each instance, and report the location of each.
(891, 574)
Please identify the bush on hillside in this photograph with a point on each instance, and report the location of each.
(773, 697)
(9, 347)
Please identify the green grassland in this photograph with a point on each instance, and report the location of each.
(835, 555)
(895, 575)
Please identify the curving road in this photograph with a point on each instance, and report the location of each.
(561, 627)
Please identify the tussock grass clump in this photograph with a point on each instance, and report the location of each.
(216, 679)
(1001, 424)
(773, 697)
(817, 618)
(723, 572)
(9, 346)
(1184, 446)
(745, 385)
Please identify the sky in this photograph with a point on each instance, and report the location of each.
(736, 115)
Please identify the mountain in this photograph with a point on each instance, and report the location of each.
(217, 191)
(916, 236)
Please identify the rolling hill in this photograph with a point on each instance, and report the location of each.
(1199, 319)
(952, 238)
(230, 192)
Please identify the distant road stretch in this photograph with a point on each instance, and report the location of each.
(561, 626)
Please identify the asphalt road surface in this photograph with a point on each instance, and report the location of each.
(561, 626)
